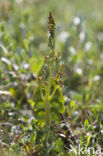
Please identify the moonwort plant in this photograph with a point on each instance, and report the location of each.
(48, 98)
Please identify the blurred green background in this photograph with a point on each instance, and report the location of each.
(23, 46)
(79, 38)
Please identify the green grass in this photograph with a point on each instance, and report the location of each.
(23, 47)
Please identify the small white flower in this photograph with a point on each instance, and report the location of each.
(96, 78)
(82, 36)
(102, 131)
(63, 36)
(90, 62)
(72, 50)
(100, 36)
(26, 66)
(88, 46)
(65, 98)
(101, 56)
(76, 113)
(76, 21)
(10, 113)
(30, 128)
(88, 133)
(78, 71)
(31, 119)
(61, 63)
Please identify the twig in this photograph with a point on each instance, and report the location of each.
(6, 123)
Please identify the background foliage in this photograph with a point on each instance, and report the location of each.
(23, 47)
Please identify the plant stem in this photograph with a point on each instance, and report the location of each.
(47, 95)
(51, 67)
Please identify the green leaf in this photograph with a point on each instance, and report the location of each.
(26, 44)
(36, 64)
(88, 140)
(54, 114)
(40, 115)
(58, 105)
(86, 123)
(57, 100)
(37, 98)
(72, 104)
(31, 102)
